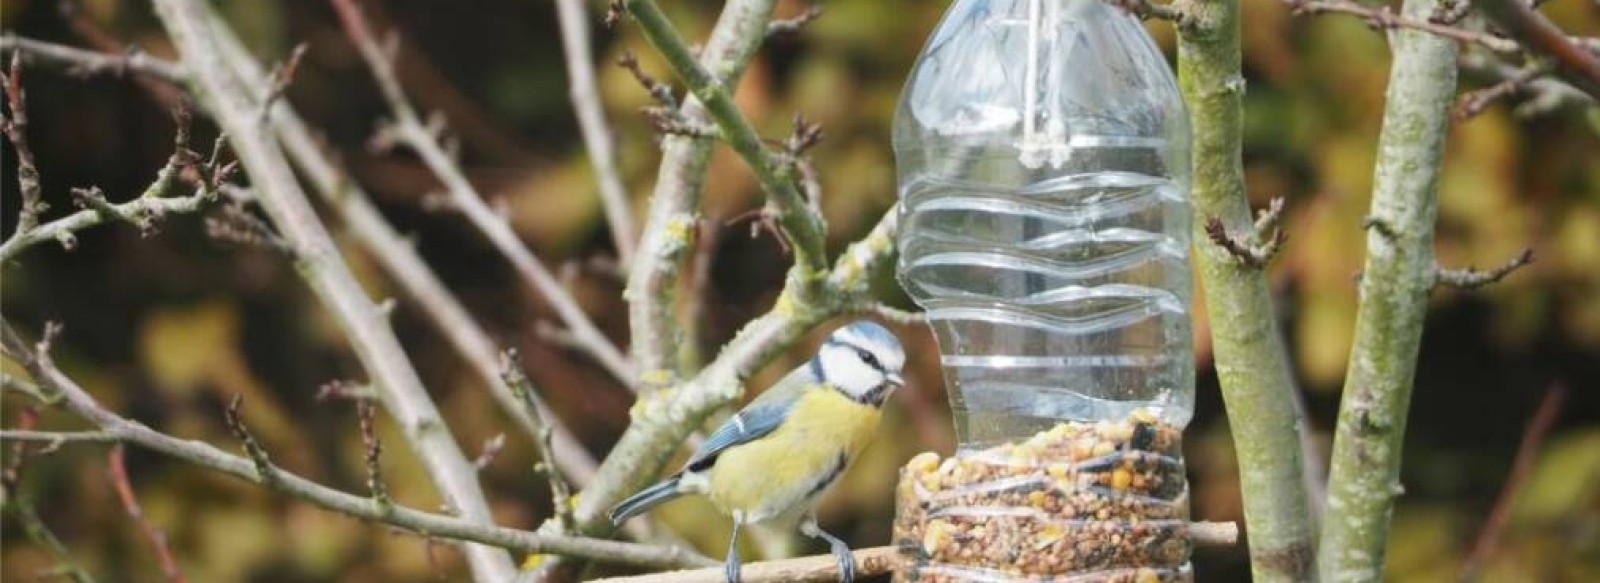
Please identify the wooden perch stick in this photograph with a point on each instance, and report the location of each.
(870, 562)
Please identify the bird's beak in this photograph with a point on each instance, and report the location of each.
(895, 379)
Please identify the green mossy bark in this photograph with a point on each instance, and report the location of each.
(1251, 362)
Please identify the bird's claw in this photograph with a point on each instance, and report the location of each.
(731, 569)
(847, 561)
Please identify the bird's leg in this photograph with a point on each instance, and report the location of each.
(731, 564)
(841, 551)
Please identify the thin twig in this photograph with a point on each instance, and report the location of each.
(560, 493)
(1470, 278)
(82, 63)
(372, 450)
(801, 227)
(870, 562)
(673, 223)
(1472, 103)
(793, 25)
(130, 503)
(320, 263)
(22, 508)
(265, 471)
(396, 254)
(1147, 9)
(1383, 18)
(585, 93)
(281, 76)
(409, 129)
(1521, 465)
(1578, 65)
(144, 212)
(78, 402)
(1545, 93)
(15, 126)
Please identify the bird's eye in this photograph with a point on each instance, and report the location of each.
(869, 358)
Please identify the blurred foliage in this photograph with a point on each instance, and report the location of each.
(167, 328)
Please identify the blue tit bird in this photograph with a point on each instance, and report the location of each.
(775, 458)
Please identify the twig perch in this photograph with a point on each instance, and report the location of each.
(870, 562)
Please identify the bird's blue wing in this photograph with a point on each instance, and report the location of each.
(761, 417)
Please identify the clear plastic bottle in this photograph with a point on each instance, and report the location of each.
(1042, 150)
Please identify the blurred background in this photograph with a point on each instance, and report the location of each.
(167, 328)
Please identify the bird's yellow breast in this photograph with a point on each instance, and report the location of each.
(822, 434)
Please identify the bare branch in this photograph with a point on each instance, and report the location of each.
(366, 415)
(130, 503)
(660, 92)
(397, 255)
(560, 493)
(258, 455)
(282, 75)
(82, 63)
(417, 136)
(1521, 465)
(585, 94)
(36, 529)
(1470, 278)
(1383, 18)
(801, 226)
(1472, 103)
(144, 212)
(793, 26)
(1578, 64)
(78, 402)
(15, 126)
(1545, 93)
(672, 225)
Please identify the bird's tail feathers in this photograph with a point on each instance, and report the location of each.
(645, 500)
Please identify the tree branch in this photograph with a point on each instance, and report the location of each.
(78, 402)
(409, 129)
(1252, 365)
(1363, 479)
(801, 226)
(15, 126)
(130, 503)
(398, 257)
(672, 224)
(318, 261)
(144, 212)
(1521, 465)
(1470, 278)
(1577, 64)
(82, 63)
(1382, 18)
(585, 94)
